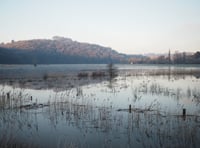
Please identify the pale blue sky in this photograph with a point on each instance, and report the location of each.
(128, 26)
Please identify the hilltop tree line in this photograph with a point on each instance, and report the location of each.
(61, 50)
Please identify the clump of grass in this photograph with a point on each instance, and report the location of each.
(97, 74)
(112, 70)
(83, 75)
(45, 76)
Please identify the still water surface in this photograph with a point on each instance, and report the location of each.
(50, 106)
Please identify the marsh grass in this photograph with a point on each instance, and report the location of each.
(73, 117)
(83, 75)
(142, 127)
(98, 74)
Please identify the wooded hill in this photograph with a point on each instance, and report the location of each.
(58, 50)
(61, 50)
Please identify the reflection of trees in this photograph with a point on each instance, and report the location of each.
(112, 73)
(60, 82)
(169, 72)
(55, 83)
(71, 111)
(112, 70)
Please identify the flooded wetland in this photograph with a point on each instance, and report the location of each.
(99, 106)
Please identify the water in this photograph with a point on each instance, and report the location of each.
(10, 71)
(64, 110)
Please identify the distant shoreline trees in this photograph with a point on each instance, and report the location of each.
(176, 58)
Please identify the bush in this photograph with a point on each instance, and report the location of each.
(98, 74)
(83, 75)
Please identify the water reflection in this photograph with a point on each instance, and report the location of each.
(88, 126)
(77, 111)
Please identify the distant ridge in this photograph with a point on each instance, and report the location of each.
(58, 50)
(61, 50)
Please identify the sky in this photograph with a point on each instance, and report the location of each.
(128, 26)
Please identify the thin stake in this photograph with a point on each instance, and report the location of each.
(130, 108)
(184, 112)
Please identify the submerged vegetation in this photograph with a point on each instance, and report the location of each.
(111, 72)
(141, 109)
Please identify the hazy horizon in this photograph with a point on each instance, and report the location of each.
(129, 26)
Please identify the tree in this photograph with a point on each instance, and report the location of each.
(169, 57)
(197, 55)
(178, 58)
(112, 71)
(184, 58)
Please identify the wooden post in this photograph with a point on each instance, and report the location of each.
(184, 112)
(8, 95)
(130, 108)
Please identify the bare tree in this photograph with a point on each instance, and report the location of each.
(112, 71)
